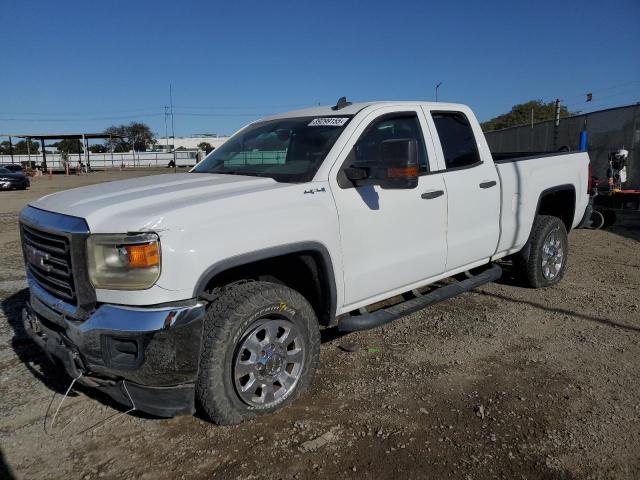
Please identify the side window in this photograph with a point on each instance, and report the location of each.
(456, 137)
(369, 147)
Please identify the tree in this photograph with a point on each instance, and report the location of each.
(135, 134)
(520, 114)
(206, 146)
(97, 148)
(69, 145)
(19, 148)
(23, 147)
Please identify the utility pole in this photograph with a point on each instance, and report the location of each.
(437, 87)
(173, 132)
(556, 125)
(133, 147)
(166, 130)
(531, 117)
(11, 149)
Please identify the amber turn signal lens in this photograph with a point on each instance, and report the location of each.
(402, 172)
(142, 256)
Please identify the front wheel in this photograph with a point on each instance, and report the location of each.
(543, 260)
(261, 346)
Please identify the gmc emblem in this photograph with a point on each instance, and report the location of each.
(37, 258)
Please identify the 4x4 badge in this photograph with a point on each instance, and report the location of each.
(315, 190)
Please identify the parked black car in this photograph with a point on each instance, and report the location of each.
(13, 167)
(13, 180)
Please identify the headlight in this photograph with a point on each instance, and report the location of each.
(123, 261)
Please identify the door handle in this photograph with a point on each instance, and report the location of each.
(488, 184)
(432, 194)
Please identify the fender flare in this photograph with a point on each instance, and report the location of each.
(271, 252)
(559, 188)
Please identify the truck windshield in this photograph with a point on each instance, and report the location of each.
(287, 149)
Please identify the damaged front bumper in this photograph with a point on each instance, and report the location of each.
(145, 356)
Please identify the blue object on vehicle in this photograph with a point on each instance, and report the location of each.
(583, 141)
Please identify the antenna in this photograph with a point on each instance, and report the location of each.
(342, 103)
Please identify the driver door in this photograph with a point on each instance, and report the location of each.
(391, 239)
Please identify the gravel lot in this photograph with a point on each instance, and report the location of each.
(503, 382)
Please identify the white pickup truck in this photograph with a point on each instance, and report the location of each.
(209, 288)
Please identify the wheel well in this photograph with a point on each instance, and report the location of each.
(304, 271)
(559, 202)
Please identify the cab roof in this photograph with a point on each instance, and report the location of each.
(354, 108)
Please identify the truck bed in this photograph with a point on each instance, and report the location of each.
(524, 178)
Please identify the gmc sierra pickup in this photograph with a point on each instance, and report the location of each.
(209, 288)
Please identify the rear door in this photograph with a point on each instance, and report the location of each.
(391, 239)
(473, 189)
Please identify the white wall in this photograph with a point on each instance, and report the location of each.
(100, 161)
(190, 142)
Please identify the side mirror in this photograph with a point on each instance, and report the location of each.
(400, 159)
(355, 174)
(397, 167)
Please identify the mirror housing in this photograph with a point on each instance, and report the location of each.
(400, 157)
(355, 174)
(397, 169)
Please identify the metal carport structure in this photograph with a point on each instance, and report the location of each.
(82, 138)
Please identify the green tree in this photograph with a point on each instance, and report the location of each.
(97, 148)
(23, 147)
(520, 114)
(206, 146)
(19, 148)
(69, 145)
(124, 136)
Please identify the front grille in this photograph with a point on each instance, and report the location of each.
(48, 260)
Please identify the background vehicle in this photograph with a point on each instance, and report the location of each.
(13, 167)
(13, 180)
(210, 287)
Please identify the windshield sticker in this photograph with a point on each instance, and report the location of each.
(328, 122)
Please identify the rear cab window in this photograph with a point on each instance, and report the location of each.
(457, 140)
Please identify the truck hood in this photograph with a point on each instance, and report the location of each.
(145, 203)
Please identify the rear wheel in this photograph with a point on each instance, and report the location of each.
(543, 260)
(260, 349)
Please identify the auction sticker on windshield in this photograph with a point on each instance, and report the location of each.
(328, 122)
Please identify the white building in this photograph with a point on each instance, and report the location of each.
(191, 142)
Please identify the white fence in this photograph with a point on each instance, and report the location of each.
(106, 161)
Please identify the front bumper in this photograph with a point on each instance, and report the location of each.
(148, 356)
(14, 185)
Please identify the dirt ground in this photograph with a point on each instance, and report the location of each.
(504, 382)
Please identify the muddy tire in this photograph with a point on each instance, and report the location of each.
(543, 260)
(261, 345)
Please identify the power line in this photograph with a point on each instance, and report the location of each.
(600, 90)
(79, 119)
(238, 107)
(600, 99)
(132, 117)
(252, 114)
(67, 114)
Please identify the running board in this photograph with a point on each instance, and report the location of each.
(367, 321)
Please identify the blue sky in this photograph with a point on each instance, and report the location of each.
(82, 66)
